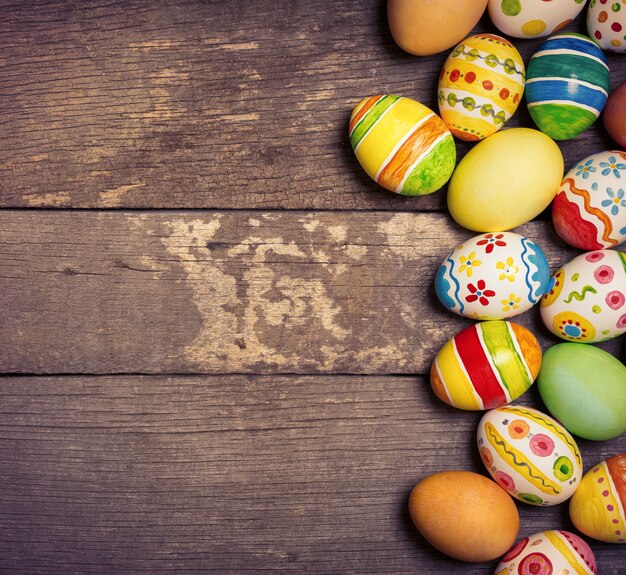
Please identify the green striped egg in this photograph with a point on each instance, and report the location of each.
(402, 144)
(567, 83)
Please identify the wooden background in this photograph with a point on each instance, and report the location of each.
(215, 329)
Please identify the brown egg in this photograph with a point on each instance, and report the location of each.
(424, 27)
(614, 115)
(464, 515)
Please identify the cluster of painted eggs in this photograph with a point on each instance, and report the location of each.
(508, 178)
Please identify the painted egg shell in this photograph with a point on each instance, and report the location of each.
(464, 515)
(424, 27)
(549, 553)
(506, 180)
(614, 115)
(480, 86)
(606, 24)
(533, 18)
(586, 298)
(493, 276)
(567, 85)
(529, 454)
(597, 507)
(589, 212)
(486, 365)
(402, 144)
(584, 387)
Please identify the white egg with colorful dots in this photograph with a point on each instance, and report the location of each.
(529, 454)
(533, 18)
(553, 552)
(606, 24)
(493, 276)
(586, 300)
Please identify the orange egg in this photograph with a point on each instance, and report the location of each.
(424, 27)
(464, 515)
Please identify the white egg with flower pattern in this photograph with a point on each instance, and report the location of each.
(589, 212)
(493, 276)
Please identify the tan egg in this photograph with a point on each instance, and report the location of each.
(464, 515)
(424, 27)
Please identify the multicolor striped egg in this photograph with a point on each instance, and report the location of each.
(529, 454)
(597, 509)
(567, 85)
(549, 553)
(589, 212)
(586, 301)
(493, 276)
(402, 144)
(480, 86)
(486, 365)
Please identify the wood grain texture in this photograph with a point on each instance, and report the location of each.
(234, 474)
(253, 292)
(224, 106)
(190, 104)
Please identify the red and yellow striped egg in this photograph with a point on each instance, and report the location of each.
(486, 365)
(480, 86)
(402, 144)
(597, 509)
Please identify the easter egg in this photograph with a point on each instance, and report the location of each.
(480, 86)
(424, 27)
(597, 507)
(552, 552)
(493, 276)
(586, 298)
(589, 212)
(584, 387)
(567, 84)
(606, 24)
(530, 455)
(614, 115)
(402, 144)
(505, 181)
(464, 515)
(533, 18)
(486, 365)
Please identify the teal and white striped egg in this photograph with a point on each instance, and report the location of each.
(567, 83)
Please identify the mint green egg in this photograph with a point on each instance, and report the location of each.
(584, 387)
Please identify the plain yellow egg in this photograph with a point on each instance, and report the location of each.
(424, 27)
(505, 181)
(464, 515)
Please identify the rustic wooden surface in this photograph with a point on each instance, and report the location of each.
(233, 474)
(191, 104)
(177, 392)
(224, 292)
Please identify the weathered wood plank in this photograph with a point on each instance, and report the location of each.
(278, 292)
(206, 104)
(233, 475)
